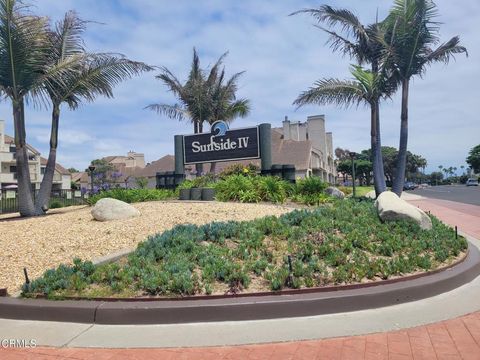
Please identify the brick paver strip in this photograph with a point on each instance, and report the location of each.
(451, 339)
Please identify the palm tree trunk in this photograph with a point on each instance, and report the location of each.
(382, 186)
(25, 196)
(43, 198)
(402, 148)
(373, 144)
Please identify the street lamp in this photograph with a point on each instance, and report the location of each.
(92, 169)
(352, 156)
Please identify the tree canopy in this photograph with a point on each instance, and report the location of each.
(473, 158)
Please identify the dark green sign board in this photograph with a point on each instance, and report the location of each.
(238, 144)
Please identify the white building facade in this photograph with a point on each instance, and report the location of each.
(36, 164)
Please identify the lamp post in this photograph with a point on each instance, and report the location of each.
(352, 156)
(92, 169)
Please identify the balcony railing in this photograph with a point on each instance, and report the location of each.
(30, 157)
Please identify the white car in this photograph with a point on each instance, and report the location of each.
(472, 182)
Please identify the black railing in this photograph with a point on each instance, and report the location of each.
(58, 198)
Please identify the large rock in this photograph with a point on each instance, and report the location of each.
(391, 208)
(333, 191)
(111, 209)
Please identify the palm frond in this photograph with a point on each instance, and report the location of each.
(215, 68)
(171, 81)
(99, 76)
(347, 20)
(67, 37)
(175, 112)
(446, 51)
(239, 108)
(343, 93)
(23, 48)
(345, 46)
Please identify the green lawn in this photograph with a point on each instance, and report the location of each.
(360, 190)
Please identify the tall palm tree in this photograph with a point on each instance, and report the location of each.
(412, 32)
(202, 98)
(362, 44)
(94, 74)
(23, 53)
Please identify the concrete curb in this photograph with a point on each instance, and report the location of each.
(249, 308)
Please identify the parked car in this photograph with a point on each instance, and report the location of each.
(472, 182)
(409, 186)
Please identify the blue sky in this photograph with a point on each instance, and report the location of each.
(281, 55)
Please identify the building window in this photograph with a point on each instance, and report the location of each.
(42, 170)
(13, 169)
(13, 149)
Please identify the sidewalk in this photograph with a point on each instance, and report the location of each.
(451, 339)
(465, 216)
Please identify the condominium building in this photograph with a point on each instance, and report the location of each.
(317, 158)
(36, 164)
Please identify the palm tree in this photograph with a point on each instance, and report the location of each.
(94, 74)
(412, 32)
(446, 171)
(361, 43)
(366, 87)
(223, 102)
(202, 98)
(23, 53)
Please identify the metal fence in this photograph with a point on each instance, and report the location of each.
(59, 198)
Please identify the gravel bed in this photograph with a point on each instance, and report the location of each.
(44, 242)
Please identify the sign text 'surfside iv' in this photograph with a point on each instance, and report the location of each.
(221, 145)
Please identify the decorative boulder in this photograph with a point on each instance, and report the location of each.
(371, 195)
(111, 209)
(391, 208)
(333, 191)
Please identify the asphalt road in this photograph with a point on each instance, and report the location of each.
(458, 193)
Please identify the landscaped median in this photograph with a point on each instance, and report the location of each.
(335, 244)
(41, 243)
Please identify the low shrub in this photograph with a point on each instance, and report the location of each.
(345, 189)
(251, 189)
(311, 185)
(239, 169)
(55, 204)
(236, 188)
(342, 243)
(273, 189)
(132, 195)
(198, 182)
